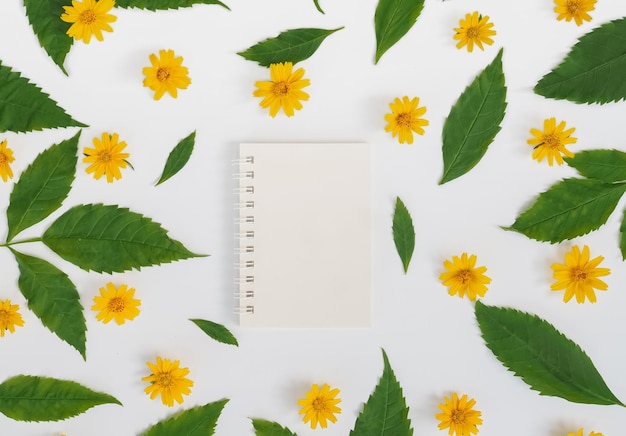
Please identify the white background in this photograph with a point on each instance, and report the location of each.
(432, 339)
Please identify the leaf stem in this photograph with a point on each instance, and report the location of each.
(23, 241)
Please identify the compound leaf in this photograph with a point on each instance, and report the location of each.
(403, 233)
(393, 19)
(605, 165)
(269, 428)
(198, 421)
(178, 157)
(155, 5)
(216, 331)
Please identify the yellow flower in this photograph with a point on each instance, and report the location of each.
(463, 277)
(6, 157)
(475, 29)
(576, 9)
(168, 380)
(580, 433)
(116, 303)
(9, 317)
(107, 158)
(284, 90)
(320, 406)
(579, 276)
(458, 416)
(404, 119)
(89, 17)
(552, 141)
(166, 74)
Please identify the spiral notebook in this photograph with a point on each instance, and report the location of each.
(304, 252)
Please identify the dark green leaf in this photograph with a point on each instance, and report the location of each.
(199, 421)
(43, 186)
(622, 235)
(178, 157)
(403, 233)
(111, 239)
(317, 5)
(569, 208)
(543, 357)
(293, 46)
(474, 121)
(385, 413)
(269, 428)
(155, 5)
(605, 165)
(594, 69)
(216, 331)
(30, 398)
(392, 20)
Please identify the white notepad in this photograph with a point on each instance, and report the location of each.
(305, 235)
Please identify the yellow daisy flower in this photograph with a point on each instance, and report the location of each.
(574, 9)
(116, 303)
(475, 29)
(320, 406)
(107, 157)
(166, 74)
(551, 142)
(6, 157)
(89, 17)
(284, 90)
(168, 380)
(462, 277)
(459, 416)
(579, 275)
(9, 317)
(580, 433)
(404, 119)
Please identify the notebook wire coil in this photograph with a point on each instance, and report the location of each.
(244, 220)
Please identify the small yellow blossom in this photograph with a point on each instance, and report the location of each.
(320, 406)
(116, 303)
(474, 29)
(168, 380)
(89, 17)
(579, 275)
(462, 276)
(458, 416)
(551, 142)
(6, 158)
(580, 433)
(106, 158)
(284, 91)
(9, 317)
(574, 9)
(405, 118)
(166, 74)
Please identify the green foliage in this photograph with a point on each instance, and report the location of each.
(604, 165)
(622, 235)
(317, 5)
(594, 69)
(43, 186)
(474, 121)
(269, 428)
(403, 233)
(155, 5)
(111, 239)
(216, 331)
(392, 20)
(544, 358)
(385, 413)
(178, 157)
(31, 398)
(198, 421)
(292, 45)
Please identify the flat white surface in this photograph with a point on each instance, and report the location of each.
(432, 339)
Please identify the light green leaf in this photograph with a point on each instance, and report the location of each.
(594, 69)
(385, 413)
(605, 165)
(293, 46)
(178, 157)
(155, 5)
(543, 357)
(474, 121)
(52, 296)
(43, 186)
(269, 428)
(216, 331)
(403, 233)
(569, 208)
(31, 398)
(317, 5)
(198, 421)
(392, 20)
(24, 107)
(111, 239)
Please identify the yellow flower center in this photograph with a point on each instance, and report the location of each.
(105, 156)
(281, 88)
(473, 32)
(88, 17)
(458, 417)
(573, 6)
(404, 119)
(163, 74)
(552, 141)
(4, 317)
(3, 158)
(579, 274)
(164, 379)
(464, 276)
(319, 404)
(116, 304)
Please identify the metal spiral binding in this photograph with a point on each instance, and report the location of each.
(244, 251)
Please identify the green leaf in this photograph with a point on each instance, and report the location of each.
(392, 20)
(622, 235)
(317, 5)
(385, 413)
(292, 45)
(569, 208)
(605, 165)
(403, 233)
(52, 296)
(43, 186)
(594, 69)
(474, 121)
(269, 428)
(31, 398)
(216, 331)
(543, 357)
(178, 157)
(198, 421)
(111, 239)
(24, 107)
(155, 5)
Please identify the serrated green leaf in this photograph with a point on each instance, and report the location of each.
(42, 186)
(198, 421)
(111, 239)
(392, 20)
(605, 165)
(52, 296)
(403, 233)
(155, 5)
(385, 413)
(318, 7)
(24, 107)
(569, 208)
(292, 45)
(31, 398)
(543, 357)
(269, 428)
(594, 69)
(474, 121)
(178, 157)
(216, 331)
